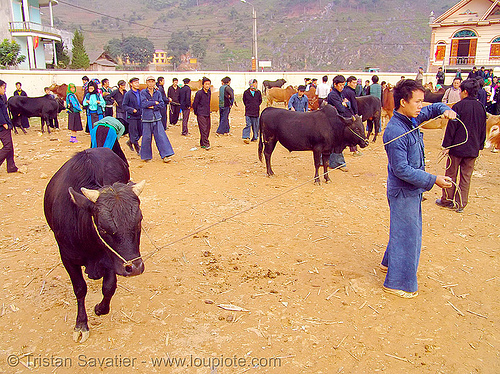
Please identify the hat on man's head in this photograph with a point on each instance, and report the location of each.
(301, 88)
(150, 78)
(186, 80)
(133, 80)
(121, 82)
(252, 81)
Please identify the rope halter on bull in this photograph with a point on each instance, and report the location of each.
(93, 195)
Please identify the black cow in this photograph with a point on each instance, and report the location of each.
(370, 109)
(434, 97)
(269, 84)
(99, 228)
(322, 131)
(45, 107)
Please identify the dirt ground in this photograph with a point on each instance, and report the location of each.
(304, 266)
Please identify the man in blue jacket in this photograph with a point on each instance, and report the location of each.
(406, 182)
(132, 106)
(299, 101)
(151, 103)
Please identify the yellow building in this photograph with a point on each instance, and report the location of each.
(467, 35)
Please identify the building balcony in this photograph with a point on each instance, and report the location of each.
(34, 29)
(467, 62)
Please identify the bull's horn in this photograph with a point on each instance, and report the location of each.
(138, 187)
(92, 195)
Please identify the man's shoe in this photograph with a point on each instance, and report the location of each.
(444, 204)
(246, 141)
(401, 293)
(167, 159)
(14, 170)
(459, 210)
(129, 145)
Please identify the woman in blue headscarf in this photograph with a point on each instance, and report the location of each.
(73, 108)
(95, 105)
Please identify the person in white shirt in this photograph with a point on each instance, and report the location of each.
(452, 94)
(323, 90)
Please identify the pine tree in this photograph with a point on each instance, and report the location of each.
(62, 55)
(80, 59)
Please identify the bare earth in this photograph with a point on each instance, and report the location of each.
(304, 266)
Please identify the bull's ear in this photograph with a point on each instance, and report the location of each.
(78, 199)
(137, 187)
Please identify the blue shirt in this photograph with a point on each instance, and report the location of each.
(406, 167)
(299, 104)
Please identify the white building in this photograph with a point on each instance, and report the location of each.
(21, 22)
(467, 35)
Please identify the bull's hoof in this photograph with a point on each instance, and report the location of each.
(327, 180)
(100, 309)
(271, 174)
(317, 182)
(374, 140)
(80, 334)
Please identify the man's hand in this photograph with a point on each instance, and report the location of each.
(443, 181)
(135, 111)
(449, 114)
(445, 152)
(5, 126)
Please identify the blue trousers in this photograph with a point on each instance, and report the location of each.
(251, 123)
(150, 129)
(336, 159)
(405, 241)
(224, 120)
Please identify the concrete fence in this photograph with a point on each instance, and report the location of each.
(33, 81)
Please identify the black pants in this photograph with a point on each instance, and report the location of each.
(163, 112)
(7, 151)
(108, 111)
(174, 113)
(134, 130)
(204, 125)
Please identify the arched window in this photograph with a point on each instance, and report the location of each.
(463, 48)
(440, 51)
(495, 49)
(465, 34)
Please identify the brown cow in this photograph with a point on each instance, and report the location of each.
(313, 98)
(436, 123)
(195, 85)
(214, 100)
(281, 95)
(387, 104)
(494, 138)
(60, 91)
(491, 121)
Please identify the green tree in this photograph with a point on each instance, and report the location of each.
(63, 58)
(114, 48)
(80, 59)
(137, 50)
(10, 53)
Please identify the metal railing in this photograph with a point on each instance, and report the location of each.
(469, 61)
(33, 27)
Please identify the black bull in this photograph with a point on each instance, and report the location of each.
(44, 107)
(93, 210)
(370, 109)
(323, 131)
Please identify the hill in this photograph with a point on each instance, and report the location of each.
(294, 34)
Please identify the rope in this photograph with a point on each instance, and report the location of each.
(157, 249)
(125, 262)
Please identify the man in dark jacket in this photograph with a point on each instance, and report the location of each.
(226, 100)
(7, 151)
(118, 96)
(349, 93)
(440, 77)
(201, 108)
(151, 102)
(252, 98)
(463, 147)
(335, 99)
(160, 84)
(25, 122)
(132, 106)
(173, 95)
(185, 101)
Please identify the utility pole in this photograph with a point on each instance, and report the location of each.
(255, 56)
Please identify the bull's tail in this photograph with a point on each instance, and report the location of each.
(261, 143)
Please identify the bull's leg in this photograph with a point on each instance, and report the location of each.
(369, 128)
(108, 290)
(81, 331)
(269, 145)
(316, 155)
(326, 161)
(56, 123)
(377, 125)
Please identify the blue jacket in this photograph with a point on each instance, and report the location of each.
(147, 101)
(406, 167)
(131, 101)
(335, 99)
(299, 104)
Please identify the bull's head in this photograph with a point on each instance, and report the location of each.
(116, 217)
(354, 131)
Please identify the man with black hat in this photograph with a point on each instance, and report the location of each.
(117, 96)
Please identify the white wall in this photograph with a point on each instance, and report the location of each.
(34, 81)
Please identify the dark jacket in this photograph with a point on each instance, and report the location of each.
(335, 98)
(349, 94)
(482, 96)
(118, 98)
(472, 113)
(185, 97)
(228, 97)
(147, 101)
(4, 115)
(405, 151)
(163, 94)
(131, 102)
(201, 103)
(252, 102)
(22, 93)
(440, 77)
(174, 94)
